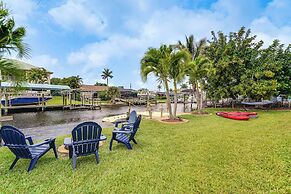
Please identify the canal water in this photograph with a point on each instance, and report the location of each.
(42, 125)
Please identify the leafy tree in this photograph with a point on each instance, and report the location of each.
(73, 81)
(100, 84)
(178, 61)
(232, 56)
(38, 75)
(112, 93)
(106, 74)
(56, 81)
(157, 62)
(283, 73)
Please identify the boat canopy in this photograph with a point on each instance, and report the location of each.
(36, 86)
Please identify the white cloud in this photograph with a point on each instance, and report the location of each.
(46, 61)
(21, 10)
(75, 15)
(122, 51)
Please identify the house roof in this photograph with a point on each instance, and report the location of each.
(24, 66)
(36, 86)
(91, 88)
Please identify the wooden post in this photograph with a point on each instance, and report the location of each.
(70, 98)
(42, 102)
(6, 103)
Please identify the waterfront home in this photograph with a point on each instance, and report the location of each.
(27, 68)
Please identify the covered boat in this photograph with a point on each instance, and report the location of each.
(25, 100)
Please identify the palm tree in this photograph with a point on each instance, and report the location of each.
(198, 70)
(183, 86)
(178, 62)
(196, 49)
(157, 62)
(38, 75)
(11, 42)
(159, 87)
(106, 74)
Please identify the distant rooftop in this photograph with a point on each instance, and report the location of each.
(92, 88)
(23, 65)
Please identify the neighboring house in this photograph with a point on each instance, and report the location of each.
(26, 67)
(90, 91)
(144, 93)
(127, 93)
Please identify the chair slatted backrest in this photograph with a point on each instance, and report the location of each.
(135, 127)
(86, 138)
(15, 141)
(132, 117)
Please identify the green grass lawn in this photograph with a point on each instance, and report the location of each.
(58, 100)
(207, 154)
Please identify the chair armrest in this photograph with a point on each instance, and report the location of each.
(29, 139)
(47, 141)
(120, 131)
(118, 122)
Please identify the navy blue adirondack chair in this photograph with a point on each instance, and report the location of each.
(15, 140)
(85, 140)
(127, 123)
(125, 136)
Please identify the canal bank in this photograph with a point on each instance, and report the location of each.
(42, 125)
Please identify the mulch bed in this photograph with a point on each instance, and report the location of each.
(174, 121)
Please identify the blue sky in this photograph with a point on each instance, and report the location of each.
(81, 37)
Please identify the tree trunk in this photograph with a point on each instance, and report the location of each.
(201, 101)
(168, 99)
(107, 81)
(175, 99)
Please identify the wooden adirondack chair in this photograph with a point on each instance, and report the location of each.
(85, 140)
(127, 123)
(124, 135)
(15, 140)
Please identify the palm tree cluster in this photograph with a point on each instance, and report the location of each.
(173, 63)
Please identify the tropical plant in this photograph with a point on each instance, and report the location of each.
(73, 81)
(100, 84)
(157, 61)
(11, 42)
(178, 62)
(56, 81)
(106, 74)
(184, 86)
(196, 49)
(198, 70)
(159, 87)
(38, 75)
(113, 93)
(236, 59)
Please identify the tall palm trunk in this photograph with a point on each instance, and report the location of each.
(175, 99)
(107, 81)
(168, 99)
(198, 96)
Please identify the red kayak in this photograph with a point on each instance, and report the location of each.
(237, 115)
